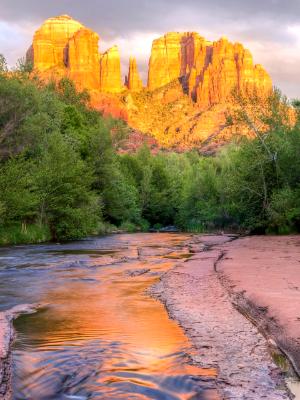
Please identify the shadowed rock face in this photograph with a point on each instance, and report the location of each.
(190, 80)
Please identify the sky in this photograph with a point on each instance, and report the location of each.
(269, 28)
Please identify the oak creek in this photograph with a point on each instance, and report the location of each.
(99, 335)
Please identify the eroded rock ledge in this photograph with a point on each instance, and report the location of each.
(223, 338)
(6, 339)
(262, 276)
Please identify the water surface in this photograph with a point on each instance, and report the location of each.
(99, 335)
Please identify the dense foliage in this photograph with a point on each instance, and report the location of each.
(62, 178)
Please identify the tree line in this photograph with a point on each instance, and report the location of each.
(62, 177)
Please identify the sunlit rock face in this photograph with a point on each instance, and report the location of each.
(190, 80)
(110, 71)
(50, 42)
(64, 47)
(84, 60)
(209, 71)
(133, 79)
(173, 56)
(164, 63)
(229, 67)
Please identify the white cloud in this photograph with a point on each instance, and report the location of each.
(282, 61)
(136, 44)
(14, 40)
(295, 31)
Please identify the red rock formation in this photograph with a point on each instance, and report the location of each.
(63, 46)
(231, 67)
(50, 42)
(109, 104)
(133, 81)
(83, 59)
(173, 56)
(110, 71)
(190, 80)
(212, 71)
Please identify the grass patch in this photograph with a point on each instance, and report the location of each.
(24, 234)
(196, 227)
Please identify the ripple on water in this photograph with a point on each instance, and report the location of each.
(101, 336)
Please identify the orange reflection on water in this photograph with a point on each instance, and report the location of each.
(139, 347)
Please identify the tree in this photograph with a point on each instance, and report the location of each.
(18, 202)
(3, 64)
(24, 66)
(63, 186)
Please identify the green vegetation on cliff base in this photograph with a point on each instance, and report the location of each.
(61, 176)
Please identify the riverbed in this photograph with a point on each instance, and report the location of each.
(141, 316)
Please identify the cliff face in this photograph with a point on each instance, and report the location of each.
(64, 46)
(173, 56)
(230, 66)
(49, 47)
(110, 71)
(133, 79)
(208, 71)
(83, 59)
(190, 80)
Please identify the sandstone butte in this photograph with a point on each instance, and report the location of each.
(189, 87)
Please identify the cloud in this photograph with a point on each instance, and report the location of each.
(136, 44)
(14, 40)
(269, 28)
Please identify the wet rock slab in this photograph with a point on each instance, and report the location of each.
(262, 274)
(222, 337)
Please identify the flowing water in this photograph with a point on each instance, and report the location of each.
(99, 334)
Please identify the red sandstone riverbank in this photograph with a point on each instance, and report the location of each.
(201, 300)
(262, 275)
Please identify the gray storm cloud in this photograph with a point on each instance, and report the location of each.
(266, 26)
(118, 16)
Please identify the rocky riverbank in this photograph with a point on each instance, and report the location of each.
(6, 339)
(216, 282)
(195, 295)
(262, 276)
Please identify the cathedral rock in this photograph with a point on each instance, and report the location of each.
(212, 70)
(190, 80)
(64, 47)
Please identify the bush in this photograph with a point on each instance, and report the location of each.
(21, 233)
(128, 227)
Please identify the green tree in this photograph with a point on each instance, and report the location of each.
(18, 200)
(3, 64)
(63, 186)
